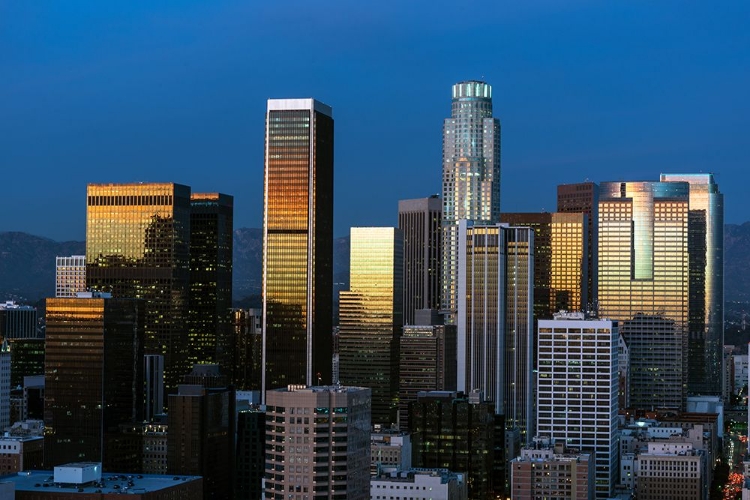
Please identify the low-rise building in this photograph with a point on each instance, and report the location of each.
(545, 472)
(419, 484)
(389, 449)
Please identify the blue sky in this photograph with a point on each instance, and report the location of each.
(175, 91)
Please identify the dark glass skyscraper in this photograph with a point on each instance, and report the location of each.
(471, 175)
(298, 243)
(138, 245)
(210, 329)
(94, 376)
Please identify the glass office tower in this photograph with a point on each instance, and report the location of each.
(298, 243)
(706, 248)
(471, 175)
(138, 246)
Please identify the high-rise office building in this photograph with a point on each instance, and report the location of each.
(138, 245)
(584, 198)
(250, 456)
(319, 444)
(577, 390)
(370, 317)
(4, 385)
(495, 336)
(644, 261)
(209, 319)
(70, 275)
(427, 362)
(18, 322)
(298, 243)
(248, 352)
(706, 300)
(420, 220)
(19, 326)
(153, 375)
(94, 376)
(471, 175)
(560, 253)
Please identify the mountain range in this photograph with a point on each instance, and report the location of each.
(27, 263)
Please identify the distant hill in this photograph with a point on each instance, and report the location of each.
(27, 263)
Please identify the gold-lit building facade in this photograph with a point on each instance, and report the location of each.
(298, 243)
(210, 336)
(644, 262)
(93, 378)
(495, 319)
(706, 249)
(560, 253)
(138, 246)
(371, 317)
(471, 176)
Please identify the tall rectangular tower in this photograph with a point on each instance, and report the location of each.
(495, 320)
(138, 246)
(298, 243)
(209, 317)
(94, 376)
(370, 317)
(420, 220)
(70, 275)
(706, 249)
(471, 176)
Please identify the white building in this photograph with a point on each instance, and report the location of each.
(419, 484)
(70, 275)
(740, 372)
(577, 389)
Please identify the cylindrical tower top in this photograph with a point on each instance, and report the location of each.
(472, 89)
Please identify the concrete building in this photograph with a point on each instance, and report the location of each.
(318, 442)
(420, 220)
(297, 243)
(671, 471)
(389, 450)
(741, 372)
(578, 390)
(419, 484)
(552, 472)
(20, 453)
(70, 275)
(155, 445)
(471, 176)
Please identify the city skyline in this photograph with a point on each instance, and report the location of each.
(583, 91)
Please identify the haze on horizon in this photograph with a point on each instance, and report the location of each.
(126, 92)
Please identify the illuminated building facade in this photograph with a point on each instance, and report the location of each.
(471, 176)
(209, 321)
(577, 390)
(370, 317)
(560, 252)
(298, 243)
(495, 324)
(93, 375)
(138, 245)
(70, 275)
(420, 220)
(706, 249)
(644, 260)
(584, 198)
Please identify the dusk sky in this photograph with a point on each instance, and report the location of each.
(175, 91)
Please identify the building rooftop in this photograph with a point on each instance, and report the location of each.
(408, 476)
(110, 483)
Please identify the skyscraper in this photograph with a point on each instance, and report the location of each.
(577, 391)
(420, 220)
(644, 261)
(706, 249)
(584, 198)
(70, 275)
(471, 175)
(94, 375)
(298, 243)
(495, 321)
(209, 318)
(370, 317)
(138, 246)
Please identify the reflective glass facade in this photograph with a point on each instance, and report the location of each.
(706, 248)
(643, 255)
(371, 317)
(298, 243)
(471, 175)
(421, 222)
(93, 376)
(209, 318)
(495, 323)
(137, 245)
